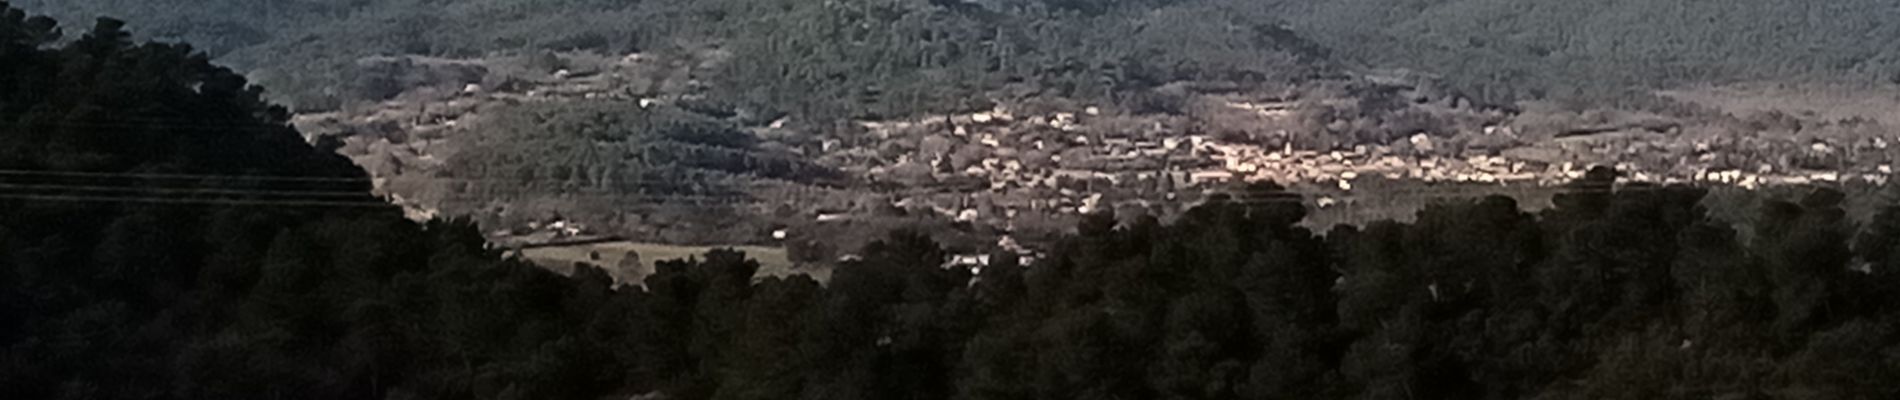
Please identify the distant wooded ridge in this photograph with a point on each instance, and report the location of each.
(884, 57)
(1632, 293)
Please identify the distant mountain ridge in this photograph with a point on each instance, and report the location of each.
(902, 56)
(1597, 49)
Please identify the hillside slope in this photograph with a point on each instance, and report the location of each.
(862, 57)
(863, 51)
(225, 290)
(1595, 50)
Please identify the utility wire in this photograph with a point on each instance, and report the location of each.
(195, 201)
(152, 175)
(316, 198)
(1455, 188)
(176, 190)
(281, 178)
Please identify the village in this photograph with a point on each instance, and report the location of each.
(1065, 163)
(1016, 175)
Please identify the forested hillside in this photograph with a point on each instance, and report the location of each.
(206, 271)
(1597, 50)
(654, 172)
(881, 57)
(616, 146)
(867, 57)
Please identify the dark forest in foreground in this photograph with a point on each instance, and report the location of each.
(237, 293)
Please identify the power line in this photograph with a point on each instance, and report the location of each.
(313, 196)
(324, 196)
(196, 201)
(153, 175)
(1292, 199)
(137, 124)
(287, 178)
(175, 190)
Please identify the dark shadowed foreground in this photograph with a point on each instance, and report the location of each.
(164, 235)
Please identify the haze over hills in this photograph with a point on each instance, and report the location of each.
(166, 233)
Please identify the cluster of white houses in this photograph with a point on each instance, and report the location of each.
(1118, 168)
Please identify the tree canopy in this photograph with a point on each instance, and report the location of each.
(881, 57)
(1617, 292)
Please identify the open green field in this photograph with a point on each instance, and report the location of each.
(772, 260)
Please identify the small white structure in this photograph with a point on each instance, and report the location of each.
(1009, 243)
(1210, 176)
(973, 261)
(1422, 142)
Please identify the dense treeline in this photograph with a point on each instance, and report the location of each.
(874, 57)
(103, 104)
(616, 147)
(884, 57)
(662, 172)
(1602, 51)
(866, 57)
(1627, 293)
